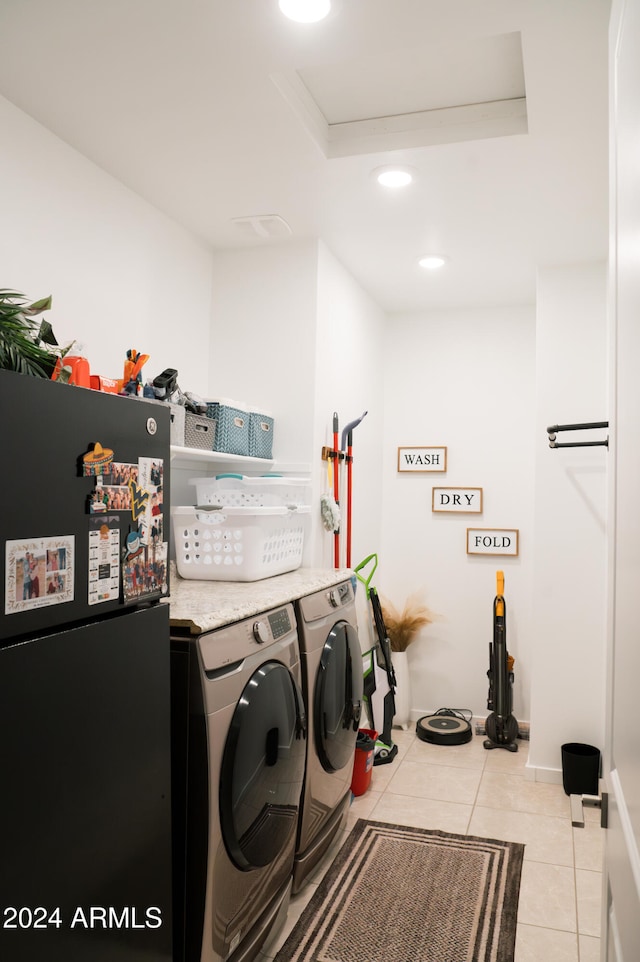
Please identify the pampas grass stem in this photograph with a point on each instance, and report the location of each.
(404, 626)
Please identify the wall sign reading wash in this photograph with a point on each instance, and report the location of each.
(492, 541)
(422, 459)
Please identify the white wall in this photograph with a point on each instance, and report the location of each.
(293, 331)
(349, 380)
(264, 306)
(464, 380)
(122, 275)
(570, 545)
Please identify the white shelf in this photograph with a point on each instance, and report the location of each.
(186, 457)
(190, 455)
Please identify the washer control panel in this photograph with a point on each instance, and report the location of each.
(280, 622)
(229, 645)
(327, 603)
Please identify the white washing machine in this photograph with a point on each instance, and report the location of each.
(332, 687)
(239, 746)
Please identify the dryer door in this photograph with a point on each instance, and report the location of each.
(263, 768)
(337, 699)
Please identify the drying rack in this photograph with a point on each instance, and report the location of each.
(588, 425)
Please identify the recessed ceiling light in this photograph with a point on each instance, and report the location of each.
(393, 176)
(432, 262)
(305, 11)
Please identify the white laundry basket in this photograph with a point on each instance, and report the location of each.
(238, 543)
(242, 491)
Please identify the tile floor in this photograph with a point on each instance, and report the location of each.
(469, 790)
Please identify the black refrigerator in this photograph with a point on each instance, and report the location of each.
(85, 768)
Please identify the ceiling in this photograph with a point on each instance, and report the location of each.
(218, 110)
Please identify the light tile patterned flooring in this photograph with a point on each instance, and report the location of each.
(471, 791)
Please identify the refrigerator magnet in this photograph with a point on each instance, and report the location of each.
(104, 559)
(133, 546)
(97, 461)
(139, 499)
(144, 574)
(151, 479)
(39, 573)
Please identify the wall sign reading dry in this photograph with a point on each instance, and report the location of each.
(459, 500)
(422, 459)
(502, 541)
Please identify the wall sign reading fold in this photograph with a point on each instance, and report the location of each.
(493, 541)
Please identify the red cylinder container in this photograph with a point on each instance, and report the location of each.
(363, 761)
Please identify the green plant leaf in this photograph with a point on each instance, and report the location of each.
(46, 334)
(38, 306)
(20, 348)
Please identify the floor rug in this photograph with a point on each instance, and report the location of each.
(400, 894)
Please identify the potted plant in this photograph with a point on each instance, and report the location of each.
(403, 627)
(26, 346)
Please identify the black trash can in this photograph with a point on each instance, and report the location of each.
(580, 769)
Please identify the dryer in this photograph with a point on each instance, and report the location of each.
(332, 687)
(239, 746)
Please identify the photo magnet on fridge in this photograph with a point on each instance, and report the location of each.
(39, 573)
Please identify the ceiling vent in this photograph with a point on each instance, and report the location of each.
(264, 226)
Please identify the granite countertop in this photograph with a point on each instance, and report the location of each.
(204, 605)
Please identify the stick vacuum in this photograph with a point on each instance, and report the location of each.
(501, 726)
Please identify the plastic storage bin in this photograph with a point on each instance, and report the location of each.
(238, 544)
(580, 769)
(232, 426)
(199, 431)
(177, 414)
(260, 434)
(241, 491)
(363, 761)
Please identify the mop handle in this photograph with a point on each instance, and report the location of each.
(336, 489)
(358, 568)
(349, 497)
(348, 429)
(347, 447)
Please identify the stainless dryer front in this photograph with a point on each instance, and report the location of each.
(332, 685)
(239, 736)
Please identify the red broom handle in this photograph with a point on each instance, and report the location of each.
(349, 491)
(336, 488)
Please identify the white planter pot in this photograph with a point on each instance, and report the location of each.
(402, 716)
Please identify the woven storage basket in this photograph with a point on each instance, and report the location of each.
(238, 544)
(240, 491)
(232, 426)
(260, 435)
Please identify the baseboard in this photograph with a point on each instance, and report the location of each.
(523, 729)
(552, 776)
(478, 721)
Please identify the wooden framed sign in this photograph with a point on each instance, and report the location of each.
(503, 541)
(459, 500)
(422, 459)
